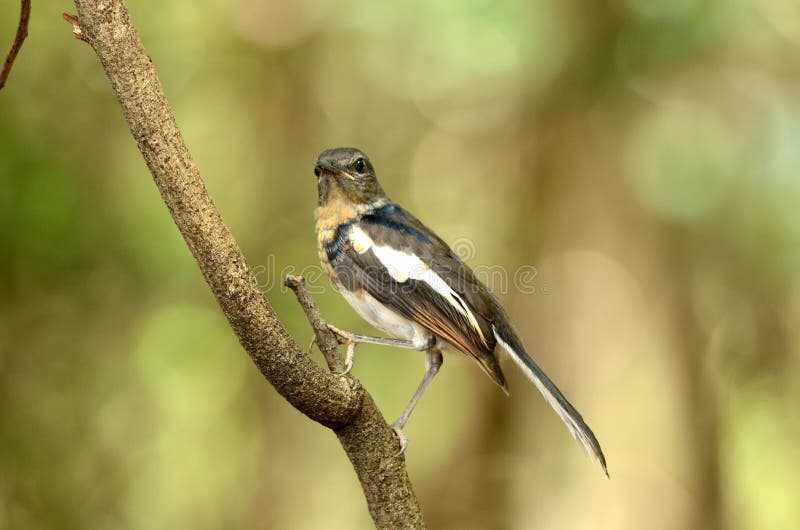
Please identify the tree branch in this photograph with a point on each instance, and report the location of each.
(19, 38)
(336, 402)
(323, 336)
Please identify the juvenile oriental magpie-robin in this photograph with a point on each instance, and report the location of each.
(406, 281)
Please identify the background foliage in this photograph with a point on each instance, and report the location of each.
(641, 155)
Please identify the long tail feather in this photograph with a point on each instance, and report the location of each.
(571, 417)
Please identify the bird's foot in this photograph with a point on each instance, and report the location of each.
(401, 437)
(343, 337)
(349, 358)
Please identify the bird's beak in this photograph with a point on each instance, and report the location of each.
(327, 167)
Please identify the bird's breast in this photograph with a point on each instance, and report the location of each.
(334, 223)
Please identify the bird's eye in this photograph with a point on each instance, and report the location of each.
(361, 165)
(317, 171)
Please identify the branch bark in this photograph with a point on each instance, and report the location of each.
(339, 403)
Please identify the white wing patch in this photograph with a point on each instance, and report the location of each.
(402, 266)
(360, 241)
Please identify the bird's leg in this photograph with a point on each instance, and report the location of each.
(352, 339)
(347, 337)
(433, 360)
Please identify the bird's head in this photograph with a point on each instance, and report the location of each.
(345, 173)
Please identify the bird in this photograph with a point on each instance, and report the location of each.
(407, 282)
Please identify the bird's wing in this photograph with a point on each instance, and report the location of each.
(406, 267)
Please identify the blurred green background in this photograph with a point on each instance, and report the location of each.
(643, 156)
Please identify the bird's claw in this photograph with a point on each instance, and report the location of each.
(312, 342)
(401, 438)
(349, 358)
(342, 336)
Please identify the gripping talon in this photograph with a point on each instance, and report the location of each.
(342, 336)
(312, 342)
(348, 360)
(401, 438)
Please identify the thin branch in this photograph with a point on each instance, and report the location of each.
(19, 38)
(336, 402)
(326, 339)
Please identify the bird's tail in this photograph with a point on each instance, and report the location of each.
(571, 417)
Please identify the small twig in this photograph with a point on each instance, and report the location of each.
(19, 38)
(77, 32)
(326, 340)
